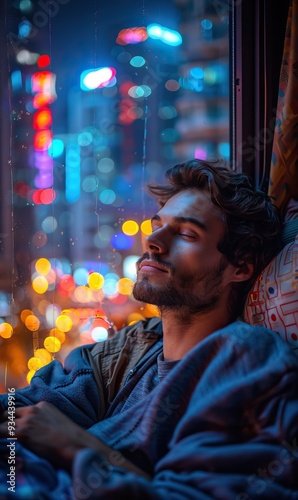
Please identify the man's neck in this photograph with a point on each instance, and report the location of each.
(181, 331)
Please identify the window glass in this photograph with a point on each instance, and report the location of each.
(100, 99)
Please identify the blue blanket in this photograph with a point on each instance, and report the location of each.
(223, 424)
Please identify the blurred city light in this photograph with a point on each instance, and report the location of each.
(24, 29)
(56, 148)
(96, 78)
(158, 32)
(43, 61)
(16, 80)
(72, 173)
(132, 35)
(137, 61)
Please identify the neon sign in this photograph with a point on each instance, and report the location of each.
(43, 88)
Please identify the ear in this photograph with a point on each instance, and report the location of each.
(242, 272)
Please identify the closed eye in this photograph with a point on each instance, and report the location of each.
(188, 235)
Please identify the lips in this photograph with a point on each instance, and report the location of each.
(150, 265)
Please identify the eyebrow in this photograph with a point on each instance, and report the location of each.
(183, 220)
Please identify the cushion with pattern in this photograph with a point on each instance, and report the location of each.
(273, 299)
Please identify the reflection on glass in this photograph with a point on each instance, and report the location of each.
(102, 100)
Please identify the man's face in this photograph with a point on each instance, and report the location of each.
(182, 267)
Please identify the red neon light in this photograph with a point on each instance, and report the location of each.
(43, 61)
(43, 86)
(36, 197)
(42, 100)
(42, 140)
(42, 81)
(42, 119)
(47, 196)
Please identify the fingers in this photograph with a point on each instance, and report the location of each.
(22, 419)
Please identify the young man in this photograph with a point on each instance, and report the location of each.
(198, 405)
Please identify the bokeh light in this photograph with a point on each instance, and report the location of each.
(32, 322)
(29, 376)
(43, 266)
(95, 281)
(107, 196)
(89, 184)
(139, 91)
(129, 266)
(42, 119)
(124, 286)
(122, 241)
(64, 323)
(99, 334)
(130, 227)
(40, 284)
(51, 314)
(43, 61)
(25, 313)
(56, 148)
(34, 363)
(52, 344)
(137, 61)
(146, 227)
(166, 35)
(6, 330)
(54, 332)
(132, 35)
(81, 275)
(106, 165)
(172, 85)
(95, 78)
(49, 224)
(43, 355)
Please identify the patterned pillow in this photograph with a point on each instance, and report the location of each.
(273, 299)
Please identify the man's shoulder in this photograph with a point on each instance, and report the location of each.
(245, 332)
(257, 342)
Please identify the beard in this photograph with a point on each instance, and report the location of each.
(187, 293)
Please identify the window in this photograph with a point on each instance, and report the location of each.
(100, 100)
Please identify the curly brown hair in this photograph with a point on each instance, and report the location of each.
(252, 221)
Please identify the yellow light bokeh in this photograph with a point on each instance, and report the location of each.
(130, 227)
(134, 317)
(95, 281)
(54, 332)
(52, 344)
(40, 284)
(44, 356)
(43, 266)
(64, 323)
(29, 376)
(25, 313)
(32, 323)
(6, 330)
(34, 364)
(146, 227)
(150, 311)
(124, 286)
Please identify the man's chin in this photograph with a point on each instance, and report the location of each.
(146, 292)
(143, 292)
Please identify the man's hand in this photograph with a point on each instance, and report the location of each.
(43, 429)
(46, 431)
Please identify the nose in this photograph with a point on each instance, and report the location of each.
(157, 242)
